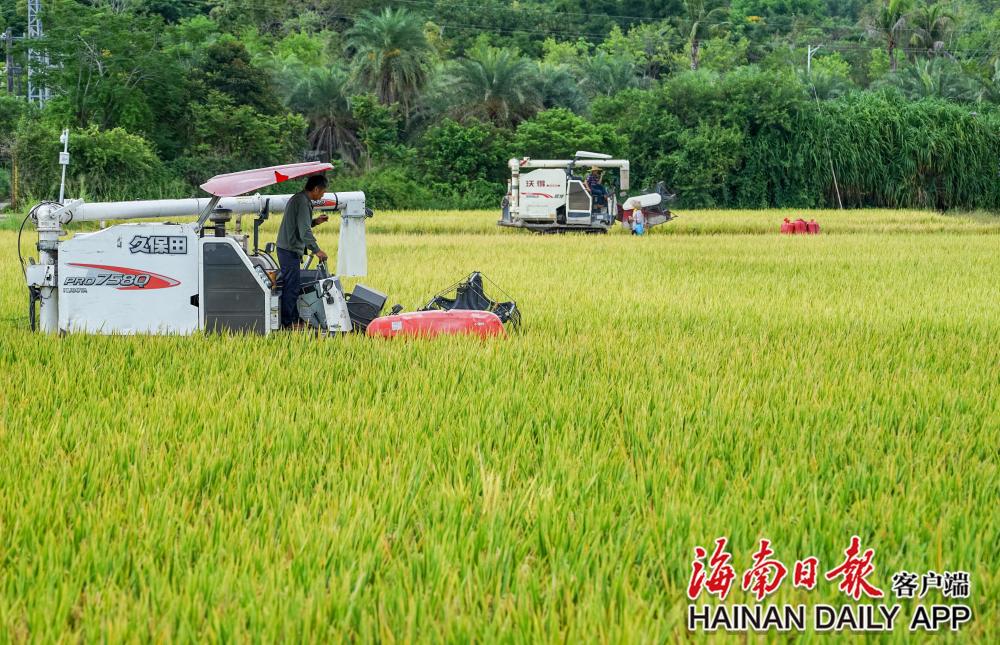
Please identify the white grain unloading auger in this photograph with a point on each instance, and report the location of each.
(550, 196)
(181, 278)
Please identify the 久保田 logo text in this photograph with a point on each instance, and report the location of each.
(159, 244)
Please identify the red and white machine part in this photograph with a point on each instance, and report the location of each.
(427, 324)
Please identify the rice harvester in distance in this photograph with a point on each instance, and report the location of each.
(181, 278)
(552, 196)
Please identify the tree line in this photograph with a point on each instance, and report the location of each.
(751, 103)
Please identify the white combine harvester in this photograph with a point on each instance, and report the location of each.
(180, 278)
(551, 196)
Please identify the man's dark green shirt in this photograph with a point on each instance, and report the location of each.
(295, 233)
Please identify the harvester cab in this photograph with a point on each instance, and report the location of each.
(180, 278)
(553, 195)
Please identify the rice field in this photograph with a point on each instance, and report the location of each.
(711, 379)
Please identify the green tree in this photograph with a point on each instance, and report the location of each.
(494, 84)
(779, 8)
(830, 77)
(378, 130)
(390, 54)
(559, 88)
(108, 69)
(647, 45)
(266, 17)
(701, 165)
(558, 134)
(720, 54)
(889, 24)
(322, 96)
(935, 77)
(989, 89)
(226, 137)
(107, 164)
(701, 19)
(931, 25)
(171, 10)
(12, 108)
(564, 53)
(607, 74)
(456, 154)
(310, 83)
(227, 68)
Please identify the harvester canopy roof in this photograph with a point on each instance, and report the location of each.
(239, 183)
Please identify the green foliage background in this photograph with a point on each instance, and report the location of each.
(421, 102)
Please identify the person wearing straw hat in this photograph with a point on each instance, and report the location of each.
(597, 190)
(638, 218)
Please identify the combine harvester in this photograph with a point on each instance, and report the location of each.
(181, 278)
(549, 196)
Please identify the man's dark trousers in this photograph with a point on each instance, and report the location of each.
(291, 279)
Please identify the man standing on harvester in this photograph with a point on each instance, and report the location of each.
(295, 237)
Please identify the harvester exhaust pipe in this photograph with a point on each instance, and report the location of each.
(219, 218)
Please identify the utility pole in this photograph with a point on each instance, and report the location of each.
(64, 161)
(809, 57)
(37, 92)
(811, 51)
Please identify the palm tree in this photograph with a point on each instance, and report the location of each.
(605, 75)
(320, 94)
(701, 20)
(889, 23)
(825, 85)
(495, 84)
(559, 89)
(931, 24)
(989, 89)
(390, 54)
(939, 77)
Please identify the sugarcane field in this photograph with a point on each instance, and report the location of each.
(521, 322)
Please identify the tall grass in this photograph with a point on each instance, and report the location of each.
(548, 487)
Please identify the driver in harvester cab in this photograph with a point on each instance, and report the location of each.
(596, 188)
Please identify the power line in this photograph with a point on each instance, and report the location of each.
(431, 4)
(569, 32)
(844, 46)
(435, 5)
(438, 5)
